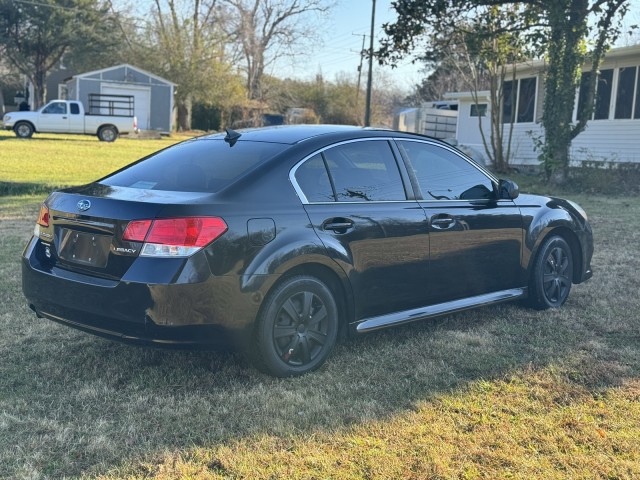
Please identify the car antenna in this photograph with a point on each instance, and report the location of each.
(232, 136)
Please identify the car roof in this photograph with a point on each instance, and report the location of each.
(292, 134)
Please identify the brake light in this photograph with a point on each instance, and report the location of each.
(136, 231)
(43, 217)
(174, 237)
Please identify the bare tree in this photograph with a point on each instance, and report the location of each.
(267, 30)
(184, 42)
(486, 55)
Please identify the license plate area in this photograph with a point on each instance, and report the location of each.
(82, 248)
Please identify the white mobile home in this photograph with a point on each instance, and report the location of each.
(612, 134)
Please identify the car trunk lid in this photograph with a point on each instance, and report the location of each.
(86, 225)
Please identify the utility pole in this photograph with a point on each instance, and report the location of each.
(367, 112)
(359, 77)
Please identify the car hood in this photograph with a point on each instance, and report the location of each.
(16, 116)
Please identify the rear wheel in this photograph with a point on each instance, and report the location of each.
(552, 274)
(108, 134)
(297, 327)
(23, 130)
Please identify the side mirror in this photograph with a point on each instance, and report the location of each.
(508, 189)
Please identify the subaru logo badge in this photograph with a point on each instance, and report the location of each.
(84, 205)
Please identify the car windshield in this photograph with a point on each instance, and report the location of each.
(203, 165)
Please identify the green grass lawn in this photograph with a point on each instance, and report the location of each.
(48, 161)
(500, 392)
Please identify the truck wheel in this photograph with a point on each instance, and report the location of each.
(108, 134)
(23, 130)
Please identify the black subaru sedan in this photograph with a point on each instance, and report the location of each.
(280, 240)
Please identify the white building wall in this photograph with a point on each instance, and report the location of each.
(601, 141)
(608, 140)
(468, 132)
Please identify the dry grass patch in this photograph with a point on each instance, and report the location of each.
(534, 424)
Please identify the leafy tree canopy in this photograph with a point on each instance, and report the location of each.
(560, 28)
(34, 36)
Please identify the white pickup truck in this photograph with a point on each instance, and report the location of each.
(63, 116)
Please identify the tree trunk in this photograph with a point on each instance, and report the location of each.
(39, 89)
(559, 174)
(568, 28)
(184, 114)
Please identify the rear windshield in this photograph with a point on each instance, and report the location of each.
(195, 166)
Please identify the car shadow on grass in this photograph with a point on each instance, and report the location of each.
(99, 404)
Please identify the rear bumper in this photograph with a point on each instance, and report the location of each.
(214, 312)
(147, 333)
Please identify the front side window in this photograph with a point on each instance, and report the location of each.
(445, 175)
(59, 108)
(364, 171)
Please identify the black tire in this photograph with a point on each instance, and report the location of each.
(23, 130)
(297, 328)
(108, 134)
(552, 274)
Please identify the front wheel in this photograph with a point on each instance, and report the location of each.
(297, 327)
(108, 134)
(552, 274)
(23, 130)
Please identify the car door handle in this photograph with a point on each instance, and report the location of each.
(338, 225)
(64, 118)
(442, 222)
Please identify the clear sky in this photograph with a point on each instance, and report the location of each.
(341, 43)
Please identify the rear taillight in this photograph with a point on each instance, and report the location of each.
(137, 230)
(43, 217)
(174, 237)
(43, 220)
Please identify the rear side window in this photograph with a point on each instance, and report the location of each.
(75, 108)
(313, 179)
(205, 165)
(444, 175)
(364, 171)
